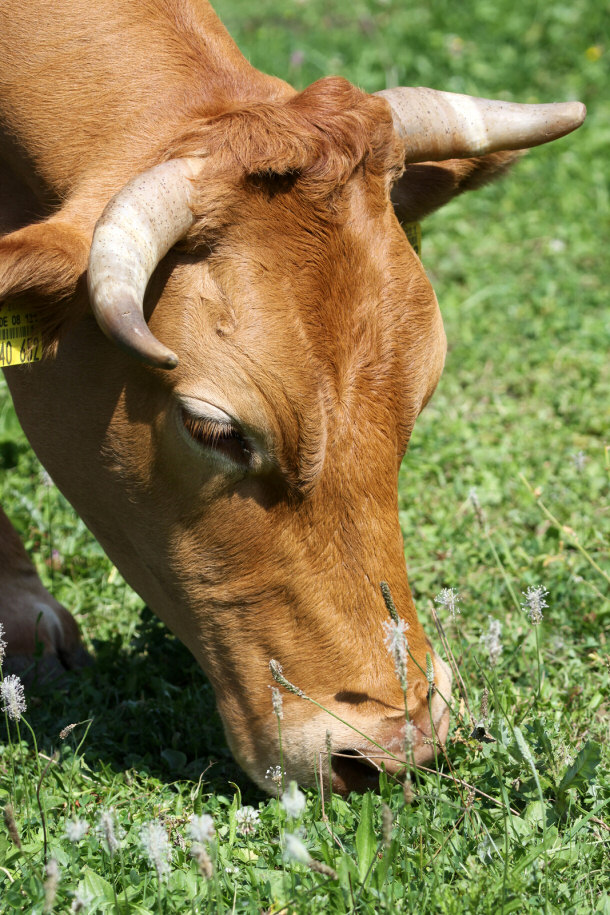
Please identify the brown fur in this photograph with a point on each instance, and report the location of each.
(320, 135)
(295, 305)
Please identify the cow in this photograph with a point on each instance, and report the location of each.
(235, 340)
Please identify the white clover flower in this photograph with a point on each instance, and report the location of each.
(12, 695)
(450, 600)
(2, 644)
(293, 801)
(108, 832)
(534, 604)
(156, 845)
(295, 849)
(201, 828)
(247, 820)
(76, 829)
(397, 645)
(491, 641)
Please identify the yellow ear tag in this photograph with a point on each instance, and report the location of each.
(413, 232)
(20, 336)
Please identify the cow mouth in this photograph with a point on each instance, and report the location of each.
(352, 770)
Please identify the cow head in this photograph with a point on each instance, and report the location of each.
(250, 494)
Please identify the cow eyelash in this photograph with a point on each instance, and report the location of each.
(218, 435)
(206, 429)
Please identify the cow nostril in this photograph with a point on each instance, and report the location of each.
(351, 771)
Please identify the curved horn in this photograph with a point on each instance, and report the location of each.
(444, 125)
(136, 230)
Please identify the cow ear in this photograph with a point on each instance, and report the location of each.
(45, 263)
(46, 259)
(426, 186)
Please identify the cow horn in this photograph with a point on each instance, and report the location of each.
(136, 230)
(444, 125)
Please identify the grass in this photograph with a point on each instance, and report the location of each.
(518, 824)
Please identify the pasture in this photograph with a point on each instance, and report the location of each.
(504, 489)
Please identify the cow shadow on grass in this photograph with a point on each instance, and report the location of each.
(152, 711)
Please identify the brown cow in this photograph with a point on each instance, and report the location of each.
(250, 494)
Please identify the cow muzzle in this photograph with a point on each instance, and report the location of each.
(399, 743)
(347, 745)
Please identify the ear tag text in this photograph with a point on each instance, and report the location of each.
(20, 336)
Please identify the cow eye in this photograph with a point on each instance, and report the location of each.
(218, 435)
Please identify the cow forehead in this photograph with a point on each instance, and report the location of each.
(308, 312)
(304, 323)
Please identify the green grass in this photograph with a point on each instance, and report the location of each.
(521, 271)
